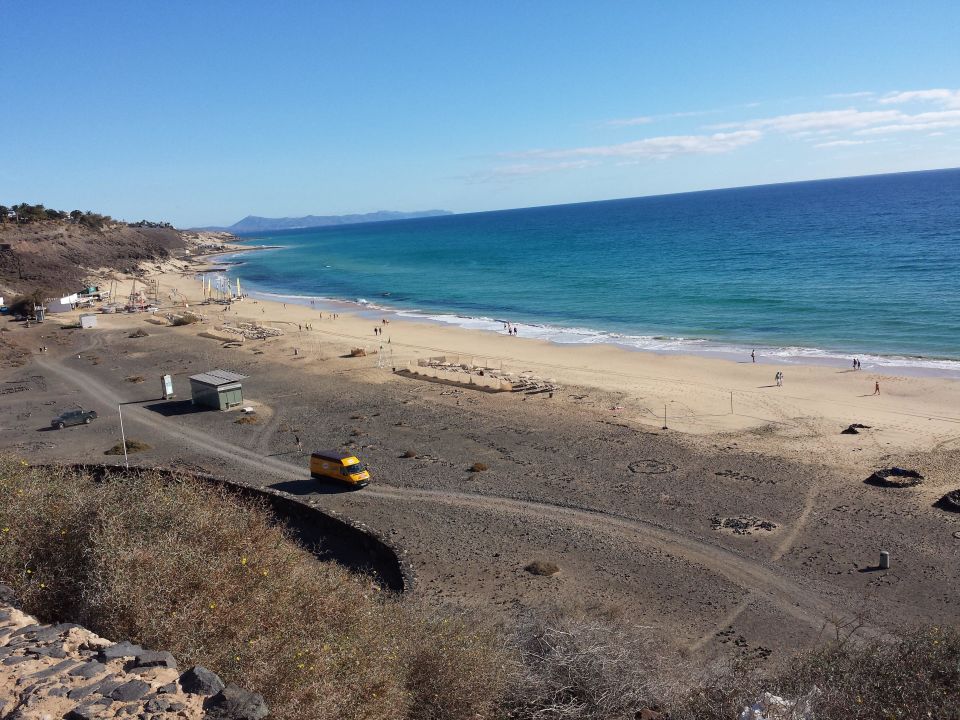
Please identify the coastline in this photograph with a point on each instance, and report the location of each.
(704, 397)
(792, 355)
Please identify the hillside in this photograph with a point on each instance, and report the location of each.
(254, 223)
(57, 255)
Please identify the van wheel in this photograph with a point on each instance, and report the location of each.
(86, 421)
(60, 426)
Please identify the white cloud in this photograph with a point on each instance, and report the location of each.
(943, 96)
(851, 95)
(629, 122)
(918, 122)
(519, 170)
(840, 143)
(818, 121)
(656, 147)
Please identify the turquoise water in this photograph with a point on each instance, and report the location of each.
(814, 271)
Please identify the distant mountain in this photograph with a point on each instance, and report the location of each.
(254, 224)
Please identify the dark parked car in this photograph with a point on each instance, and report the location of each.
(73, 417)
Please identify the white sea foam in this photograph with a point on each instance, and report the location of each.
(648, 343)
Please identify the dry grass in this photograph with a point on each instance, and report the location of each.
(132, 447)
(358, 352)
(407, 454)
(477, 467)
(139, 333)
(579, 668)
(188, 567)
(247, 420)
(185, 319)
(914, 678)
(135, 379)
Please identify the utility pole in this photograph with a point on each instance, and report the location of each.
(123, 437)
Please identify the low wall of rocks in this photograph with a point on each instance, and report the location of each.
(66, 671)
(327, 534)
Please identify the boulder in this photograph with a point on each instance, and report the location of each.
(233, 703)
(120, 650)
(130, 690)
(200, 681)
(153, 658)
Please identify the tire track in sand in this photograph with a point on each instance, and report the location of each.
(758, 578)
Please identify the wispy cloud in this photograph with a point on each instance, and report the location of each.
(840, 143)
(655, 147)
(914, 123)
(520, 170)
(851, 95)
(630, 122)
(942, 96)
(818, 121)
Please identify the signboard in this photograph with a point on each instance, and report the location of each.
(167, 383)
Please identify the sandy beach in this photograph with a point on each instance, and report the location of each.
(755, 523)
(701, 396)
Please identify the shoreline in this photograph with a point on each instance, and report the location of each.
(707, 399)
(795, 356)
(789, 355)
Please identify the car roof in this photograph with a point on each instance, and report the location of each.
(332, 454)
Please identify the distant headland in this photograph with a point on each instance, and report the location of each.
(254, 224)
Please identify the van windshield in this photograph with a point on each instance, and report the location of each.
(353, 469)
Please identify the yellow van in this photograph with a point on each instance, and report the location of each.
(338, 465)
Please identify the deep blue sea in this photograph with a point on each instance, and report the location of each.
(813, 271)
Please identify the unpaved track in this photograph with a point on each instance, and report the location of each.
(759, 580)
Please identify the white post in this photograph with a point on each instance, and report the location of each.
(123, 437)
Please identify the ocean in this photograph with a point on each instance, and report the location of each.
(814, 272)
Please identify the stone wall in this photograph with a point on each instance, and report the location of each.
(66, 671)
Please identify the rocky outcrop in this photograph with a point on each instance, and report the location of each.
(66, 671)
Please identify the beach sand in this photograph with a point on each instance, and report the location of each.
(631, 513)
(701, 396)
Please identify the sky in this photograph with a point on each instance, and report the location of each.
(200, 113)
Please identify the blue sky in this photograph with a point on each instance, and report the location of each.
(203, 112)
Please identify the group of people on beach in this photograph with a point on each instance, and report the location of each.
(511, 329)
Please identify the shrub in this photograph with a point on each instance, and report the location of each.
(477, 467)
(135, 379)
(358, 352)
(408, 454)
(139, 333)
(132, 447)
(185, 319)
(247, 420)
(583, 669)
(917, 676)
(186, 566)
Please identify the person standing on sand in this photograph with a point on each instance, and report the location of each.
(876, 388)
(753, 355)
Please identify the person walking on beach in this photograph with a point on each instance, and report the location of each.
(753, 355)
(876, 388)
(779, 378)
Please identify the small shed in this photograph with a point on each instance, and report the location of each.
(218, 389)
(88, 321)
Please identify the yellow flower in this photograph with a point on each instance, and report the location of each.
(243, 561)
(42, 585)
(6, 530)
(212, 605)
(236, 657)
